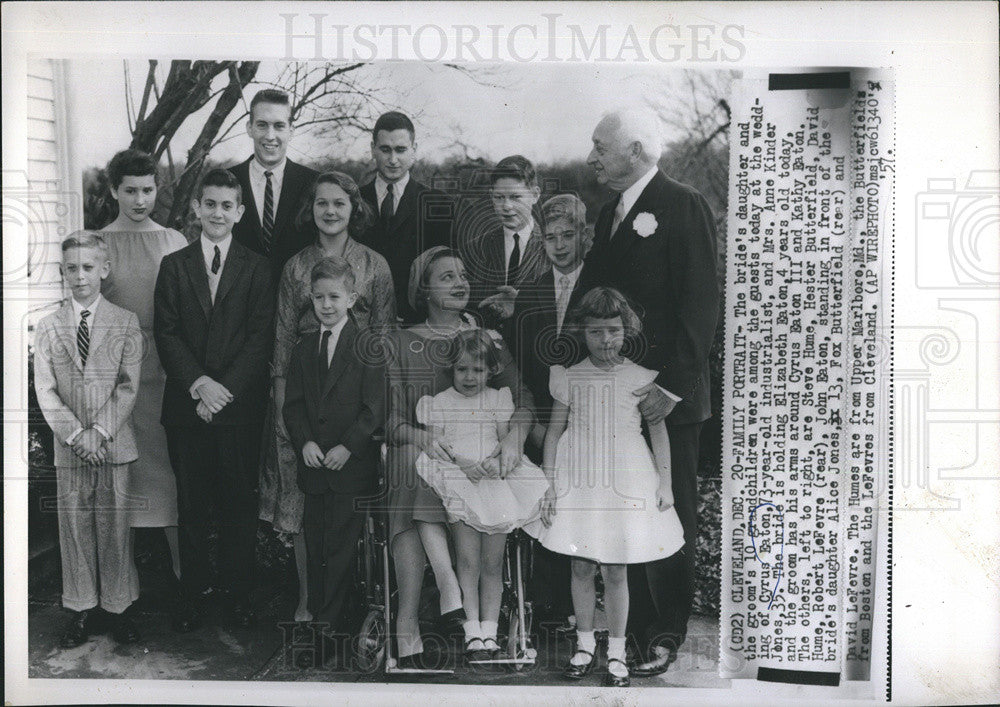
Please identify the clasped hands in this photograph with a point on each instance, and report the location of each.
(212, 397)
(90, 446)
(501, 461)
(333, 460)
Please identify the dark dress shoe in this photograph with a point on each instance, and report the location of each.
(656, 666)
(476, 654)
(578, 672)
(77, 631)
(123, 630)
(242, 615)
(612, 680)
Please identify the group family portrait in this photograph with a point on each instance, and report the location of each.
(383, 372)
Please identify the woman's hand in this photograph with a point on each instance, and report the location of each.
(509, 451)
(548, 506)
(664, 496)
(473, 470)
(438, 448)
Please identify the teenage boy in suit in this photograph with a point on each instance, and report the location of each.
(539, 342)
(655, 241)
(87, 359)
(502, 260)
(213, 311)
(411, 217)
(273, 186)
(334, 401)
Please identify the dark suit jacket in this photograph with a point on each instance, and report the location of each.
(535, 344)
(422, 220)
(229, 341)
(671, 274)
(287, 238)
(346, 407)
(486, 265)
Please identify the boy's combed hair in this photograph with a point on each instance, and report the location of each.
(566, 206)
(515, 167)
(220, 178)
(87, 239)
(479, 345)
(604, 303)
(391, 121)
(362, 216)
(130, 163)
(270, 95)
(333, 267)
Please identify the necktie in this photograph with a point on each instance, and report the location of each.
(83, 337)
(216, 261)
(386, 209)
(324, 354)
(515, 260)
(619, 216)
(562, 302)
(267, 222)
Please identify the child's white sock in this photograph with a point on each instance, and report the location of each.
(585, 641)
(616, 650)
(488, 629)
(472, 630)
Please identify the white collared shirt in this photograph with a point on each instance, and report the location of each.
(381, 188)
(334, 338)
(508, 243)
(208, 251)
(562, 298)
(631, 195)
(78, 310)
(258, 182)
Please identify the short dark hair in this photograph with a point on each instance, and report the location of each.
(605, 303)
(130, 163)
(271, 95)
(333, 267)
(515, 167)
(478, 344)
(220, 178)
(362, 216)
(394, 120)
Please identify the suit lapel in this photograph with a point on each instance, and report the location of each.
(194, 266)
(285, 212)
(340, 356)
(626, 236)
(230, 270)
(101, 322)
(407, 205)
(66, 330)
(494, 252)
(534, 253)
(250, 210)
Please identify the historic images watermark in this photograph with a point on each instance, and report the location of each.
(319, 37)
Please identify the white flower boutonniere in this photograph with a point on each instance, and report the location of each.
(644, 224)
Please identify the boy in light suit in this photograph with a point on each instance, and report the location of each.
(334, 401)
(87, 359)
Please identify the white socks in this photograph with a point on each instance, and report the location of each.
(473, 633)
(488, 630)
(585, 641)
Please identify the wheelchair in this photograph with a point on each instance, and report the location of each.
(375, 585)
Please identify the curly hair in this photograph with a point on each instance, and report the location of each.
(479, 345)
(604, 303)
(362, 216)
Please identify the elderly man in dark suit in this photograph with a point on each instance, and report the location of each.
(412, 217)
(655, 241)
(273, 186)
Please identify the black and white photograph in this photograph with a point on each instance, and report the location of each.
(408, 352)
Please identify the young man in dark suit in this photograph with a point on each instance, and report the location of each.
(334, 401)
(539, 342)
(273, 186)
(503, 259)
(213, 311)
(656, 242)
(410, 217)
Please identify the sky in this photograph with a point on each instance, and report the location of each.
(544, 112)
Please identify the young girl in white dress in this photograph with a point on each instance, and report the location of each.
(609, 502)
(482, 502)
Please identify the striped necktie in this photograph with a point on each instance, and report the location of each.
(267, 223)
(83, 337)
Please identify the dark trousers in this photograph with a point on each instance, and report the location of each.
(332, 527)
(661, 592)
(216, 471)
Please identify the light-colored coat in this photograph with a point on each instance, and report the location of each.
(101, 393)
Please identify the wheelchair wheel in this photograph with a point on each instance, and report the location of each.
(369, 649)
(513, 642)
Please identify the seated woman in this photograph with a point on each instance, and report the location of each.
(418, 366)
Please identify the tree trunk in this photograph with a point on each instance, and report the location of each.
(184, 191)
